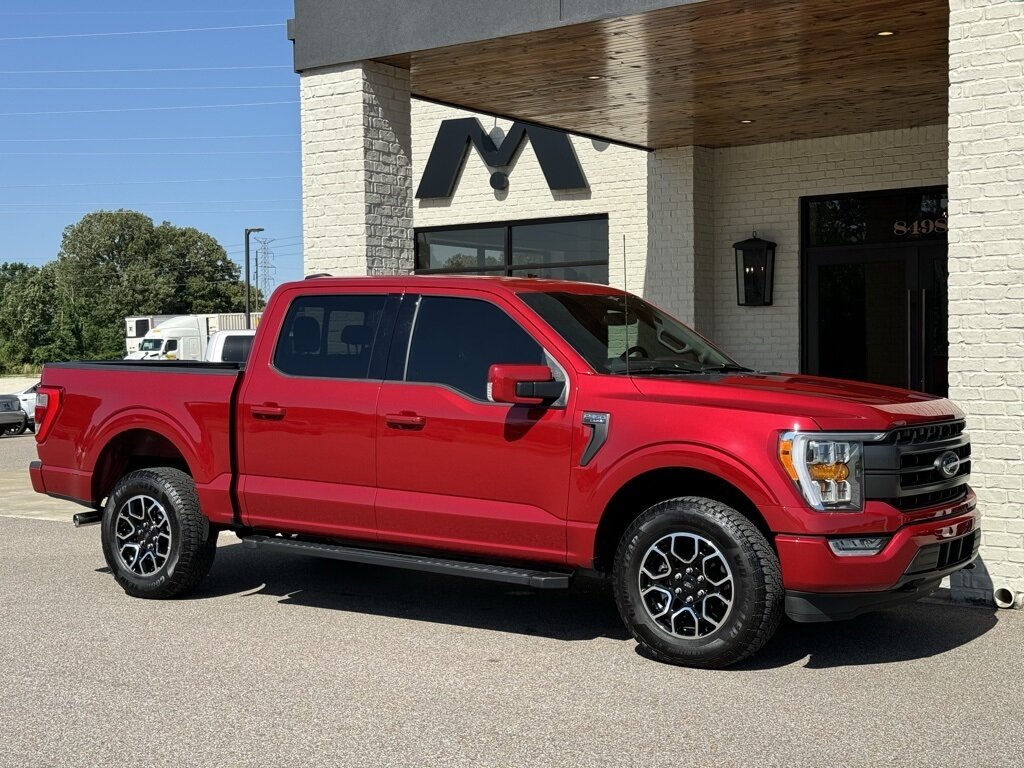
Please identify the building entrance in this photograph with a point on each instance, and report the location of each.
(875, 280)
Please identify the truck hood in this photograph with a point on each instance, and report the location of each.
(834, 404)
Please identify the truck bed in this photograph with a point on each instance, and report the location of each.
(107, 405)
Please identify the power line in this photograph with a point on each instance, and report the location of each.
(147, 109)
(143, 69)
(165, 211)
(154, 154)
(133, 12)
(143, 87)
(158, 202)
(163, 138)
(148, 181)
(139, 32)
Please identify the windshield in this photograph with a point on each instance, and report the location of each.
(151, 345)
(600, 328)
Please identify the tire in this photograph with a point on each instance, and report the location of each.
(17, 429)
(740, 606)
(155, 539)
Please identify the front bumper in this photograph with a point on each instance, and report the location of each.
(821, 585)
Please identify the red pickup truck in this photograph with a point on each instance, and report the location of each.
(519, 431)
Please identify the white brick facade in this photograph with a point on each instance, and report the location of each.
(617, 177)
(356, 194)
(986, 264)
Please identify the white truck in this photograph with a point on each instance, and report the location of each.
(186, 337)
(136, 328)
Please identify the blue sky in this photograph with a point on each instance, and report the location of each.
(185, 166)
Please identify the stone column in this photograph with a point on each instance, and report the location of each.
(356, 170)
(986, 280)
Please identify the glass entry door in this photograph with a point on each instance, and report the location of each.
(879, 316)
(874, 286)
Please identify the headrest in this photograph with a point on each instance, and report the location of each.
(306, 335)
(356, 335)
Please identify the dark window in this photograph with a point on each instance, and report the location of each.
(565, 249)
(329, 336)
(236, 349)
(456, 341)
(475, 251)
(172, 345)
(141, 327)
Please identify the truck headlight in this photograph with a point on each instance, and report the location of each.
(828, 469)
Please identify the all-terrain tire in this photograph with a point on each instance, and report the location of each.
(185, 561)
(754, 586)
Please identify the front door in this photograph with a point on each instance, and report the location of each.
(875, 289)
(455, 470)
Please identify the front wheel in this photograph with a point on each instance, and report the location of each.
(697, 583)
(156, 540)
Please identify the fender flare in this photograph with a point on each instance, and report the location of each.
(149, 420)
(694, 456)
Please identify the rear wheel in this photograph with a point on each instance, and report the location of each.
(697, 583)
(16, 429)
(156, 540)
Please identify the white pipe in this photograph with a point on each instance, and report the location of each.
(1007, 598)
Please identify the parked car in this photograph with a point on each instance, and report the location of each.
(13, 420)
(519, 431)
(27, 398)
(229, 346)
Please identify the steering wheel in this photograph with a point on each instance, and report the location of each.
(636, 348)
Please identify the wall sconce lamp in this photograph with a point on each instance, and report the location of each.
(755, 271)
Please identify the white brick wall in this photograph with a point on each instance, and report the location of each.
(667, 277)
(986, 260)
(356, 195)
(759, 188)
(617, 177)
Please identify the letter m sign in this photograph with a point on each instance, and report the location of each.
(554, 152)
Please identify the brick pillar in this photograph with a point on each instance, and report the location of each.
(986, 281)
(356, 170)
(679, 273)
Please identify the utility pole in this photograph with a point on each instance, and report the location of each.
(264, 270)
(248, 290)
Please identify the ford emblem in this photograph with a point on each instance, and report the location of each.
(948, 464)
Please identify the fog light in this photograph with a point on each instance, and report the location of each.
(860, 546)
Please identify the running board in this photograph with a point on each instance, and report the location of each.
(509, 575)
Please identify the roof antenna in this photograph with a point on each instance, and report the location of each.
(625, 301)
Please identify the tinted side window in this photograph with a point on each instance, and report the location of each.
(456, 341)
(329, 336)
(236, 349)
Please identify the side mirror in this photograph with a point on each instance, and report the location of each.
(523, 385)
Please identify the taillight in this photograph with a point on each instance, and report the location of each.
(47, 404)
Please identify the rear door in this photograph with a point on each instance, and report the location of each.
(455, 470)
(308, 416)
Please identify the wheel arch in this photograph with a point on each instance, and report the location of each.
(131, 448)
(654, 479)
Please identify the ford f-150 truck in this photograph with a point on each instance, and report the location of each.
(519, 430)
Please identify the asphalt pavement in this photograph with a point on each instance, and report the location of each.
(286, 660)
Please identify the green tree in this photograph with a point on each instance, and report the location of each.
(111, 264)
